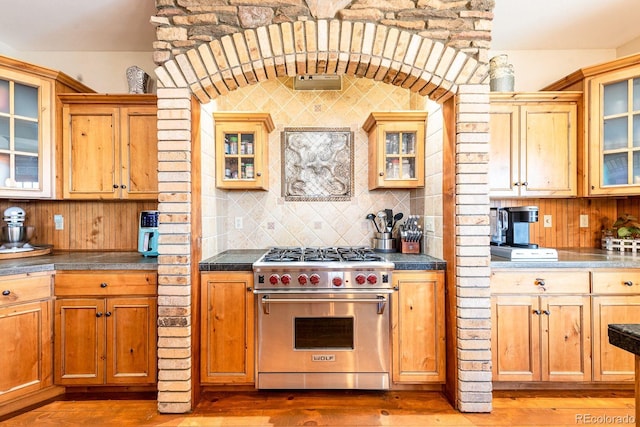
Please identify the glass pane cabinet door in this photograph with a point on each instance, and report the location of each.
(620, 133)
(239, 157)
(400, 151)
(19, 136)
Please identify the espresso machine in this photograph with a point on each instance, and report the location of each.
(148, 233)
(510, 234)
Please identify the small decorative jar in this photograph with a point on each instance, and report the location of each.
(501, 78)
(137, 79)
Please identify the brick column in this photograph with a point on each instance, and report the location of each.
(174, 260)
(473, 311)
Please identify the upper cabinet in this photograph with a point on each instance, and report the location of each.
(533, 144)
(29, 123)
(110, 147)
(611, 159)
(396, 149)
(242, 161)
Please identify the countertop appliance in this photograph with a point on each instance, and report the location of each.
(510, 234)
(148, 233)
(323, 318)
(16, 235)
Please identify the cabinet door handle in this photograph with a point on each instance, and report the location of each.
(123, 186)
(381, 174)
(547, 312)
(396, 288)
(516, 184)
(99, 314)
(108, 314)
(259, 174)
(627, 283)
(537, 312)
(524, 184)
(6, 292)
(115, 185)
(249, 289)
(103, 285)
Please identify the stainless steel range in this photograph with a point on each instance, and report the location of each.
(323, 318)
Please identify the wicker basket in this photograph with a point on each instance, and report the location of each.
(622, 245)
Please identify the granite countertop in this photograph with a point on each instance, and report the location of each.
(626, 337)
(243, 259)
(78, 261)
(576, 258)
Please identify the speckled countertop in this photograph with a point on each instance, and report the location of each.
(242, 260)
(79, 261)
(626, 337)
(576, 258)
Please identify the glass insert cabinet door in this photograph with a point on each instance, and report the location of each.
(620, 133)
(239, 156)
(400, 155)
(20, 122)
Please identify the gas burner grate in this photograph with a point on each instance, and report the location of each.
(283, 255)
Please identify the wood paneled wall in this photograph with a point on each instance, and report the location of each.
(565, 231)
(88, 225)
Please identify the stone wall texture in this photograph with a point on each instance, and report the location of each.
(436, 48)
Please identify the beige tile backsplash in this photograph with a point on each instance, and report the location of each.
(267, 219)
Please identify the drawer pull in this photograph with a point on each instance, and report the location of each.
(6, 292)
(99, 314)
(103, 285)
(540, 282)
(627, 283)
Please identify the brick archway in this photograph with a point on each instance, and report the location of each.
(369, 50)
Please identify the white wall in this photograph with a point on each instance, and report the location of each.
(104, 72)
(629, 48)
(535, 69)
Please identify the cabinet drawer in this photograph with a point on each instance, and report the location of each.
(24, 287)
(616, 282)
(105, 283)
(542, 282)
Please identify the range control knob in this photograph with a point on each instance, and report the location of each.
(314, 279)
(273, 279)
(337, 281)
(285, 279)
(303, 279)
(372, 279)
(360, 279)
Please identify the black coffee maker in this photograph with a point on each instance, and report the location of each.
(518, 220)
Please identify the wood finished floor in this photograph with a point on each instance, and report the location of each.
(339, 408)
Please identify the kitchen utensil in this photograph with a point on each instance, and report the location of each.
(397, 217)
(372, 217)
(389, 213)
(382, 217)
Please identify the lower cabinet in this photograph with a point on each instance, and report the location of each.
(105, 328)
(541, 326)
(418, 333)
(616, 299)
(227, 335)
(26, 331)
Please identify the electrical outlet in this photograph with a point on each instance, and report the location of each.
(584, 221)
(238, 223)
(429, 224)
(547, 221)
(58, 221)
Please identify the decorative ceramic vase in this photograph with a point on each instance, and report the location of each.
(501, 77)
(137, 79)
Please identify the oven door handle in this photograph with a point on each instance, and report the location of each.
(380, 300)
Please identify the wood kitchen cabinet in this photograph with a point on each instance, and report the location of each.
(533, 144)
(227, 321)
(242, 161)
(540, 326)
(611, 161)
(29, 127)
(110, 147)
(105, 328)
(26, 329)
(616, 299)
(396, 149)
(418, 330)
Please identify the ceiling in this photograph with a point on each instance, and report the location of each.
(123, 25)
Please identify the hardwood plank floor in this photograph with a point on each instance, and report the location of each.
(340, 408)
